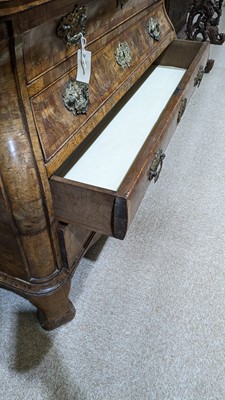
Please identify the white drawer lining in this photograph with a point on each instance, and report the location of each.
(108, 160)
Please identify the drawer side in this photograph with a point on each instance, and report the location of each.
(86, 206)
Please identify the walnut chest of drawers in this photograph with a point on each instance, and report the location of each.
(76, 158)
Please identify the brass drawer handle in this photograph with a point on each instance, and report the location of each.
(72, 26)
(198, 78)
(182, 109)
(156, 165)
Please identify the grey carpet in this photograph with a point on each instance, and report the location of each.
(150, 321)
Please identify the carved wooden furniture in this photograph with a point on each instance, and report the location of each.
(203, 21)
(54, 128)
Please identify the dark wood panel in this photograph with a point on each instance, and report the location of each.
(85, 206)
(74, 243)
(11, 260)
(8, 7)
(177, 10)
(21, 182)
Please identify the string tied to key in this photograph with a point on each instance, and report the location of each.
(83, 42)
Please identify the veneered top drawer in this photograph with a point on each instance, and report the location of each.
(44, 49)
(58, 128)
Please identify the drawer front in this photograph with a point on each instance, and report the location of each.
(111, 212)
(43, 46)
(87, 207)
(59, 130)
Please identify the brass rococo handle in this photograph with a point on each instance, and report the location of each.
(156, 165)
(72, 26)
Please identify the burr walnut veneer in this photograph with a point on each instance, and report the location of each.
(49, 215)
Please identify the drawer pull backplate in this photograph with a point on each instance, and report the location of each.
(76, 97)
(156, 165)
(123, 55)
(72, 27)
(154, 28)
(199, 76)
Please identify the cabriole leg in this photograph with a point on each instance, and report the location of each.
(54, 309)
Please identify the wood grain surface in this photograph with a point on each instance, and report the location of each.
(47, 223)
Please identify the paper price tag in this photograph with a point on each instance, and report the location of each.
(83, 66)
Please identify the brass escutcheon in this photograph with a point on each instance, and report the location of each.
(123, 55)
(156, 165)
(72, 26)
(154, 28)
(76, 97)
(182, 109)
(198, 78)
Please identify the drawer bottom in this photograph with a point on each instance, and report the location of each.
(107, 161)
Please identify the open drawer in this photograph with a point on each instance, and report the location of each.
(101, 186)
